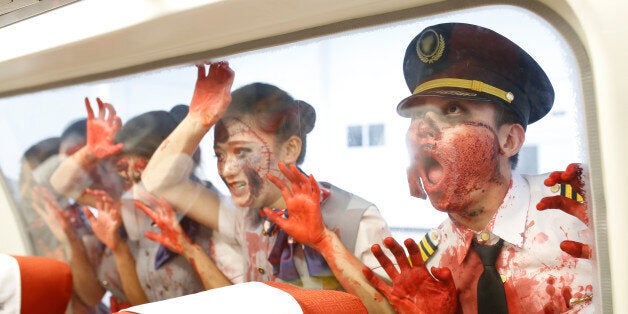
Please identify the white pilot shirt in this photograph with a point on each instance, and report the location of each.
(536, 273)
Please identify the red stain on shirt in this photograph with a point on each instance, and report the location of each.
(540, 237)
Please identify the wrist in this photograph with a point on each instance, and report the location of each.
(120, 247)
(197, 122)
(325, 241)
(86, 158)
(191, 250)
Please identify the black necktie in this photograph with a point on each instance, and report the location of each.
(491, 294)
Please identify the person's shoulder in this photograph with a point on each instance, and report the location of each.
(538, 187)
(533, 179)
(536, 184)
(351, 200)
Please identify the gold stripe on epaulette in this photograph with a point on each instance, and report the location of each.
(427, 247)
(567, 190)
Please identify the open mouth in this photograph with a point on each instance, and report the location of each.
(237, 185)
(431, 169)
(237, 188)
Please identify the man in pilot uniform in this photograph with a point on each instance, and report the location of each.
(473, 94)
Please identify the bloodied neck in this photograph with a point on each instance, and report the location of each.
(460, 156)
(245, 155)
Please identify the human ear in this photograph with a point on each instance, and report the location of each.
(291, 149)
(511, 138)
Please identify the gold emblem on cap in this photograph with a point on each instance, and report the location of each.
(430, 46)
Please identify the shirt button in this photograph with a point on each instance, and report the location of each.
(484, 235)
(105, 282)
(555, 188)
(504, 278)
(261, 270)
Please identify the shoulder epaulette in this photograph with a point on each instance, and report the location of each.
(428, 244)
(567, 190)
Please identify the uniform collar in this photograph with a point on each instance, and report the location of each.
(508, 223)
(510, 219)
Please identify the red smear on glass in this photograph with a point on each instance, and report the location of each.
(576, 249)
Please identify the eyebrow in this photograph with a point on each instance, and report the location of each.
(234, 143)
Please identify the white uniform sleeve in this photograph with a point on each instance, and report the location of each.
(73, 182)
(372, 229)
(11, 290)
(171, 171)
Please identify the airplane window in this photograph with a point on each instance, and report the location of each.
(353, 81)
(350, 81)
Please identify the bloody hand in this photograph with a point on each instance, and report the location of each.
(101, 131)
(46, 206)
(413, 290)
(572, 176)
(172, 235)
(212, 92)
(305, 222)
(107, 225)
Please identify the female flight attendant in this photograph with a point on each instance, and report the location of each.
(145, 271)
(322, 235)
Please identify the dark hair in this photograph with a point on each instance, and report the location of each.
(76, 128)
(505, 116)
(41, 151)
(32, 158)
(273, 110)
(143, 134)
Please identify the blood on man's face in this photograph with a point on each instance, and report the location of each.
(454, 150)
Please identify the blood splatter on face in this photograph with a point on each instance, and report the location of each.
(130, 168)
(245, 155)
(255, 181)
(456, 153)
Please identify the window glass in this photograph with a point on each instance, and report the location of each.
(354, 136)
(376, 135)
(350, 79)
(353, 80)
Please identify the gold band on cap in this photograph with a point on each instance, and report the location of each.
(474, 85)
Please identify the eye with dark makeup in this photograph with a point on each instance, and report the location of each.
(453, 108)
(122, 165)
(242, 152)
(219, 156)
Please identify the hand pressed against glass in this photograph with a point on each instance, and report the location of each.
(101, 130)
(211, 93)
(573, 176)
(245, 155)
(452, 143)
(161, 212)
(107, 223)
